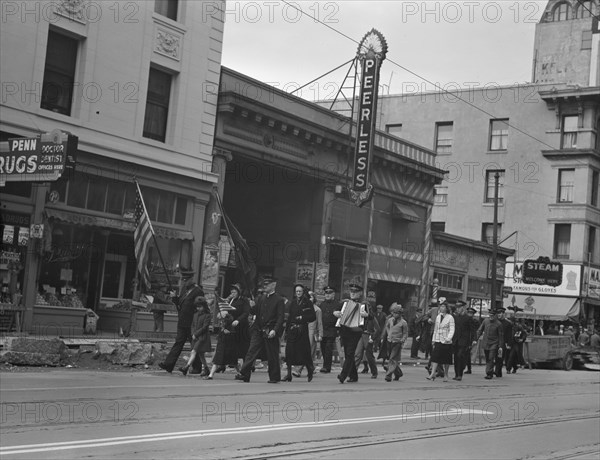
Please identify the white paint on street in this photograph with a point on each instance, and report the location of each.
(105, 442)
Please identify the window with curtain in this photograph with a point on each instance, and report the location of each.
(566, 184)
(562, 241)
(490, 182)
(569, 131)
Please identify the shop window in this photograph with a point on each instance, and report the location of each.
(566, 184)
(561, 12)
(444, 136)
(157, 105)
(449, 281)
(166, 205)
(569, 132)
(167, 8)
(17, 189)
(394, 129)
(487, 232)
(490, 189)
(129, 197)
(595, 191)
(59, 73)
(151, 197)
(498, 135)
(562, 241)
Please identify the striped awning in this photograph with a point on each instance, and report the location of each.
(393, 278)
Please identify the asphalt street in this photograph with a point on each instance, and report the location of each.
(73, 413)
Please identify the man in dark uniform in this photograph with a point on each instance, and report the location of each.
(415, 328)
(190, 296)
(508, 337)
(461, 340)
(266, 331)
(474, 325)
(328, 306)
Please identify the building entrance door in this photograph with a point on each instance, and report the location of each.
(113, 278)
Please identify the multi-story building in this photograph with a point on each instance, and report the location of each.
(543, 140)
(132, 80)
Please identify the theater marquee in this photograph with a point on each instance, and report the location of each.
(371, 52)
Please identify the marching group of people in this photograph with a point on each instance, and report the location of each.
(251, 330)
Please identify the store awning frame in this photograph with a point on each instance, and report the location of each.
(546, 308)
(404, 212)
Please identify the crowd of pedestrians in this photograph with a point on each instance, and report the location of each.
(252, 330)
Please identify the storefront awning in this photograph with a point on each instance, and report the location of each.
(403, 211)
(546, 308)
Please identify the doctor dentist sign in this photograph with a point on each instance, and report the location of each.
(371, 52)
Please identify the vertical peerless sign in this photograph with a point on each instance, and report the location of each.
(371, 52)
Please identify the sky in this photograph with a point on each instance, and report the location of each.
(448, 43)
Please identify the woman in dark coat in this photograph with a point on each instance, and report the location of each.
(200, 337)
(297, 348)
(226, 350)
(240, 311)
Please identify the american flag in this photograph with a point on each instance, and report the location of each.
(142, 234)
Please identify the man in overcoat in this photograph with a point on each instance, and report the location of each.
(265, 331)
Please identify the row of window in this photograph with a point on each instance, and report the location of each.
(118, 198)
(563, 11)
(562, 239)
(498, 134)
(565, 189)
(59, 79)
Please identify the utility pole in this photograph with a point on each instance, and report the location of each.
(494, 242)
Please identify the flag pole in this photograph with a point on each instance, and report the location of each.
(153, 235)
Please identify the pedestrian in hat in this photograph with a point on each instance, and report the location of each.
(519, 335)
(297, 348)
(493, 341)
(226, 351)
(507, 332)
(190, 297)
(200, 337)
(394, 334)
(473, 326)
(330, 332)
(351, 323)
(240, 310)
(462, 339)
(265, 332)
(442, 342)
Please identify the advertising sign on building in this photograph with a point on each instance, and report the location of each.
(542, 271)
(37, 159)
(569, 286)
(591, 282)
(371, 52)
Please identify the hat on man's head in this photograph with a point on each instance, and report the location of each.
(355, 286)
(329, 289)
(471, 310)
(269, 280)
(237, 287)
(186, 273)
(460, 303)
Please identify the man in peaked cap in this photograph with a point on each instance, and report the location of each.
(493, 342)
(265, 331)
(330, 332)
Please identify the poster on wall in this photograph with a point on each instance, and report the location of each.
(8, 234)
(321, 279)
(210, 268)
(305, 272)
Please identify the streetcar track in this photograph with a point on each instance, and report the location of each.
(445, 432)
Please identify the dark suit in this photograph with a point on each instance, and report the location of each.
(186, 309)
(269, 311)
(508, 336)
(462, 339)
(330, 332)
